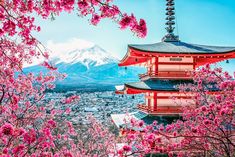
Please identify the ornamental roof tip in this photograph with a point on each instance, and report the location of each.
(170, 38)
(170, 22)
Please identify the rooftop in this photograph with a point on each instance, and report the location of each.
(182, 48)
(158, 84)
(164, 85)
(123, 120)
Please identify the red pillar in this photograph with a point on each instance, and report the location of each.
(155, 101)
(156, 65)
(147, 101)
(194, 63)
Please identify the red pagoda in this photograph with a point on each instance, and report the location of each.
(168, 63)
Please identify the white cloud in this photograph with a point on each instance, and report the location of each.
(70, 45)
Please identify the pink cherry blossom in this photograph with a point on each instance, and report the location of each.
(7, 129)
(95, 19)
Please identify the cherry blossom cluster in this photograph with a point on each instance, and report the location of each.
(105, 10)
(17, 20)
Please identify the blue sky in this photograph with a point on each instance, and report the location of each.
(210, 22)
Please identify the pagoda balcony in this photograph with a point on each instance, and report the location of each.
(166, 74)
(161, 110)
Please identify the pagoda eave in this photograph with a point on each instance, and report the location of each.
(123, 120)
(136, 56)
(133, 59)
(140, 53)
(181, 48)
(132, 88)
(127, 90)
(156, 85)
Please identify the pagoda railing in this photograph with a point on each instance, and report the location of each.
(161, 110)
(166, 74)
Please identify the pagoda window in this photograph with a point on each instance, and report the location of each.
(153, 60)
(154, 69)
(147, 99)
(151, 66)
(152, 103)
(149, 62)
(148, 66)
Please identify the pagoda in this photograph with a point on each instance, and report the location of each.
(168, 64)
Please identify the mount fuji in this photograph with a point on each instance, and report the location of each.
(89, 68)
(89, 57)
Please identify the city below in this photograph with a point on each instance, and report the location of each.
(98, 104)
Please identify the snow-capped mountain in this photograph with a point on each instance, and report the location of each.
(90, 57)
(89, 67)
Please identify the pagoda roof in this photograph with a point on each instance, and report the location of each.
(149, 119)
(122, 120)
(182, 48)
(163, 85)
(140, 54)
(158, 84)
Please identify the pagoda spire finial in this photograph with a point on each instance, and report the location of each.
(170, 7)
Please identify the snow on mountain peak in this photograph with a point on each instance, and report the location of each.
(92, 56)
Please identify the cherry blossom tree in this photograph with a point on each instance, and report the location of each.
(30, 125)
(206, 126)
